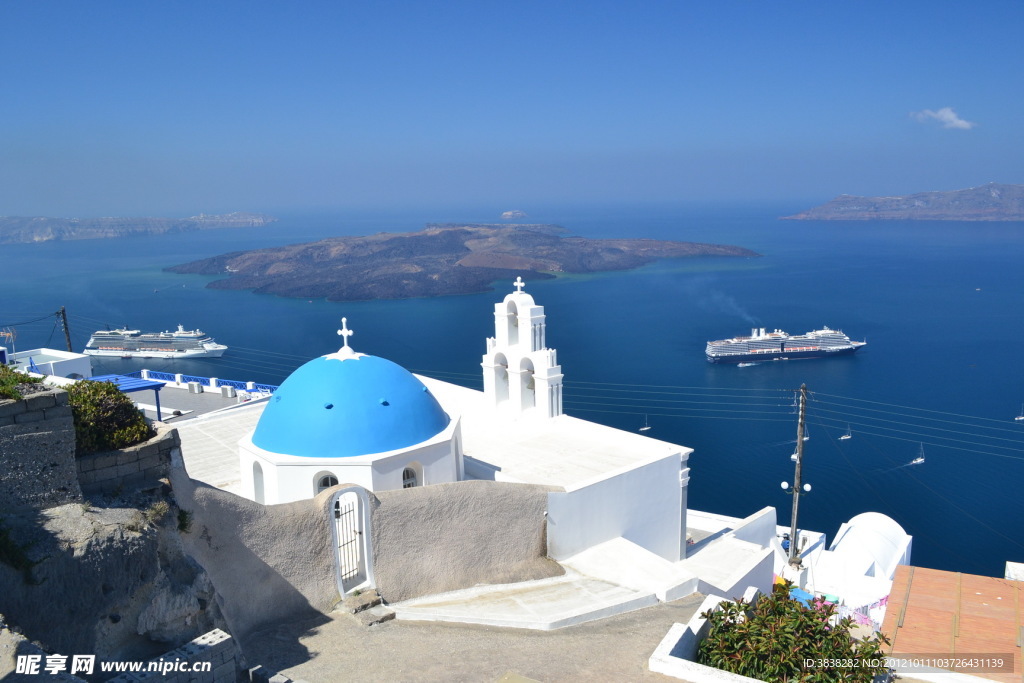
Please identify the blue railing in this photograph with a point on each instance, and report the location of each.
(162, 376)
(205, 381)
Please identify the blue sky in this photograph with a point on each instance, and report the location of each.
(171, 108)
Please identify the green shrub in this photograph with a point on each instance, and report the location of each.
(105, 418)
(184, 521)
(780, 639)
(155, 512)
(9, 381)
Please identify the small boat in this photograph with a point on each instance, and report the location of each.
(646, 426)
(920, 458)
(1020, 418)
(847, 435)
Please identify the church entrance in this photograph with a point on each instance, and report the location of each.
(351, 539)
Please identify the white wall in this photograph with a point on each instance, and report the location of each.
(54, 362)
(438, 463)
(677, 651)
(758, 528)
(290, 478)
(641, 505)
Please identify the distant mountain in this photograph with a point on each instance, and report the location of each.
(438, 261)
(991, 202)
(14, 229)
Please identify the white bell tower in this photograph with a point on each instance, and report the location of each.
(521, 375)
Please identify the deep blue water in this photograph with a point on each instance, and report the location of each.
(940, 305)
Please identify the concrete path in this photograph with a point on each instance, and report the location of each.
(337, 648)
(543, 605)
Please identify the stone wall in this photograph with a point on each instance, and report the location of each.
(268, 563)
(129, 468)
(37, 452)
(439, 538)
(188, 663)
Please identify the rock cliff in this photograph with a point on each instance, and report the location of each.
(991, 202)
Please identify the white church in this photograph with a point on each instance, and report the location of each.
(349, 417)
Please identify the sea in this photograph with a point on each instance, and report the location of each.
(940, 304)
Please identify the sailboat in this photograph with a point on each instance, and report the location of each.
(1020, 418)
(920, 458)
(647, 425)
(847, 435)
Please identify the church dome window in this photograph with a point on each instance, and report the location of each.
(325, 482)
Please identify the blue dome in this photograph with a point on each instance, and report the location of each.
(331, 408)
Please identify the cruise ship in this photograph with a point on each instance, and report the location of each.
(181, 343)
(762, 345)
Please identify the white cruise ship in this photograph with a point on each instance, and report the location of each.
(778, 345)
(181, 343)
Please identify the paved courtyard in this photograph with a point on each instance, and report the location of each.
(338, 648)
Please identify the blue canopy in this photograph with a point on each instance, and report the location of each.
(129, 384)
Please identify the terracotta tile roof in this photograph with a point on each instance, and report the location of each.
(953, 614)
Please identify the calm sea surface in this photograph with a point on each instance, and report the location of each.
(940, 304)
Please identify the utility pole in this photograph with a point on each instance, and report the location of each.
(794, 541)
(64, 323)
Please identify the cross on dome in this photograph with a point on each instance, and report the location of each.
(345, 352)
(519, 284)
(345, 332)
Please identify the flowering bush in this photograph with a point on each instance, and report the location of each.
(780, 639)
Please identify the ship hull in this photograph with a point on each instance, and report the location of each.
(781, 354)
(155, 353)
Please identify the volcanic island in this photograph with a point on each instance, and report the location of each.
(441, 260)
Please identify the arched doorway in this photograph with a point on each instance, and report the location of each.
(351, 536)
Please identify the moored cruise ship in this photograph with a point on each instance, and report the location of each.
(777, 345)
(181, 343)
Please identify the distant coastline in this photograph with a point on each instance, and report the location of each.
(441, 260)
(991, 202)
(18, 229)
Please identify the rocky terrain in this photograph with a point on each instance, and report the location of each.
(440, 260)
(991, 202)
(14, 229)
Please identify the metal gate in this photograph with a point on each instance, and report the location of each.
(348, 537)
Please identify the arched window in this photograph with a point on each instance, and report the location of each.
(325, 482)
(409, 478)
